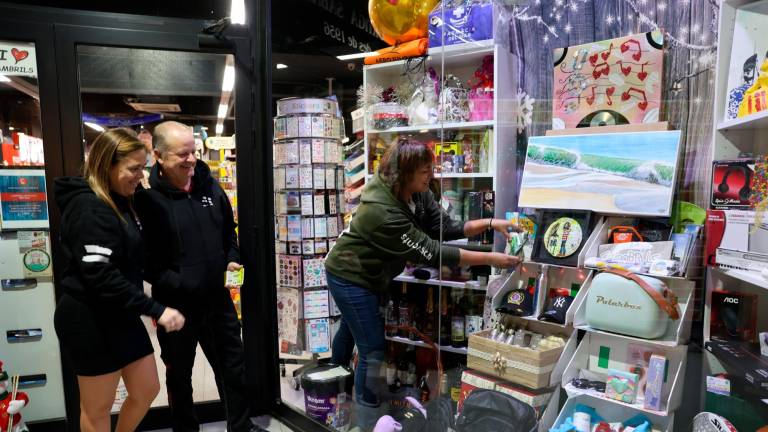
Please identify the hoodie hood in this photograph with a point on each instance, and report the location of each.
(67, 189)
(158, 181)
(377, 191)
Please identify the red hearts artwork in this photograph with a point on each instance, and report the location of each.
(19, 55)
(593, 59)
(642, 76)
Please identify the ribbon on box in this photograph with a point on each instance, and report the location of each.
(510, 364)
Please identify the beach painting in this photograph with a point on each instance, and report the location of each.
(619, 173)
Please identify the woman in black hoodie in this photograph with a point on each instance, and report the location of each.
(98, 319)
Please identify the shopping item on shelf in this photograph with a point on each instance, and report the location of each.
(623, 302)
(482, 91)
(603, 172)
(491, 410)
(731, 183)
(654, 383)
(621, 386)
(755, 98)
(457, 22)
(563, 234)
(733, 316)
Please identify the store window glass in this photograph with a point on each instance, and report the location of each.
(30, 364)
(141, 89)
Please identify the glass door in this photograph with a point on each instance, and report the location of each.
(30, 361)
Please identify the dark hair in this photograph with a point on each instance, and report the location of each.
(401, 161)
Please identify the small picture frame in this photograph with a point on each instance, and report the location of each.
(562, 236)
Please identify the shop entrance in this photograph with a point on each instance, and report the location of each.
(141, 88)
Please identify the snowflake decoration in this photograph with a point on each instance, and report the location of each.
(568, 28)
(609, 19)
(369, 95)
(524, 110)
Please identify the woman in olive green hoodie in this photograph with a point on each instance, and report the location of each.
(398, 221)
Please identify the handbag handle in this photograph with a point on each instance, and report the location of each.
(667, 302)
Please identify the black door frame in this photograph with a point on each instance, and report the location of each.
(57, 32)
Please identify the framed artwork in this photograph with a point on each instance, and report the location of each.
(748, 52)
(609, 82)
(630, 173)
(563, 234)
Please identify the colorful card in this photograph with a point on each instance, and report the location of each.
(289, 270)
(318, 335)
(316, 304)
(615, 81)
(282, 228)
(321, 247)
(291, 151)
(308, 247)
(304, 126)
(621, 386)
(294, 228)
(321, 227)
(333, 227)
(307, 228)
(332, 203)
(293, 201)
(330, 178)
(292, 127)
(288, 304)
(314, 273)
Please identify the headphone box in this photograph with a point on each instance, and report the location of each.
(731, 181)
(734, 316)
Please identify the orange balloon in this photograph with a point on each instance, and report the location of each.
(399, 21)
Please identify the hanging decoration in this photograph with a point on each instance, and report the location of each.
(524, 110)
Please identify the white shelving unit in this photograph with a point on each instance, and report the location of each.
(473, 285)
(462, 60)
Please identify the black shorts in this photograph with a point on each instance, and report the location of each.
(99, 341)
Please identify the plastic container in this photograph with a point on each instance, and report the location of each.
(328, 395)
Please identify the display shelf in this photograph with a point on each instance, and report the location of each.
(417, 343)
(434, 127)
(612, 412)
(592, 361)
(678, 332)
(751, 277)
(448, 54)
(474, 285)
(754, 121)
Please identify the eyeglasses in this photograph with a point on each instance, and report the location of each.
(585, 384)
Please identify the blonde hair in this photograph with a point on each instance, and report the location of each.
(106, 150)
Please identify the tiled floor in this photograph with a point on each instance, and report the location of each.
(267, 422)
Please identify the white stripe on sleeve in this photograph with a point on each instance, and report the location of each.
(95, 258)
(96, 249)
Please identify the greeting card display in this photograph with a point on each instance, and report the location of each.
(289, 270)
(314, 273)
(564, 234)
(615, 81)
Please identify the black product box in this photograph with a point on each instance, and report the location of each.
(734, 316)
(731, 183)
(744, 359)
(474, 210)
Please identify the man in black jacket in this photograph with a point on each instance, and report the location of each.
(190, 243)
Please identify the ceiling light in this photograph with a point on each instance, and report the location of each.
(356, 55)
(4, 78)
(281, 66)
(219, 128)
(229, 79)
(222, 111)
(11, 128)
(237, 12)
(94, 126)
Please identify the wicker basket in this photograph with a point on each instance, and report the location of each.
(524, 366)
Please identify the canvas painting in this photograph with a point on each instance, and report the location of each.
(621, 173)
(749, 51)
(615, 81)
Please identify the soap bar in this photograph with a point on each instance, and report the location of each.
(621, 386)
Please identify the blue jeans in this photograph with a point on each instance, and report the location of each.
(363, 325)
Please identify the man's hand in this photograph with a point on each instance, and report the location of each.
(233, 267)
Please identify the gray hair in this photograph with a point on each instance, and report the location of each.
(161, 133)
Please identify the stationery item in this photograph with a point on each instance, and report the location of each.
(294, 228)
(318, 150)
(318, 335)
(291, 151)
(332, 203)
(316, 304)
(321, 227)
(289, 270)
(307, 204)
(293, 248)
(305, 180)
(305, 151)
(279, 178)
(282, 228)
(314, 273)
(308, 247)
(654, 382)
(307, 228)
(318, 178)
(330, 178)
(321, 246)
(332, 225)
(292, 177)
(319, 203)
(292, 202)
(621, 386)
